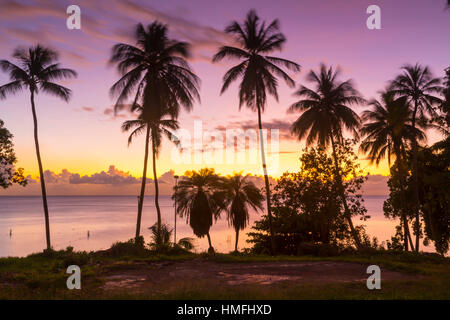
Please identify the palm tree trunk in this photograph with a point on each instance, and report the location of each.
(340, 186)
(237, 239)
(155, 178)
(415, 177)
(266, 180)
(401, 177)
(144, 179)
(41, 173)
(209, 241)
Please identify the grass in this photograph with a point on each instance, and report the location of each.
(43, 276)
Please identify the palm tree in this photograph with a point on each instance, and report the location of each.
(155, 71)
(242, 194)
(154, 129)
(445, 107)
(259, 72)
(418, 85)
(200, 197)
(387, 132)
(325, 113)
(161, 239)
(37, 70)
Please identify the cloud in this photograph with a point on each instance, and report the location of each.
(87, 109)
(51, 177)
(283, 125)
(202, 38)
(113, 176)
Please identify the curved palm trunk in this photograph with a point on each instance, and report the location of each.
(340, 186)
(41, 173)
(415, 177)
(209, 241)
(144, 179)
(266, 180)
(237, 239)
(155, 179)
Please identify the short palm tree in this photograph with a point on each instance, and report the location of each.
(155, 128)
(154, 71)
(37, 70)
(242, 195)
(325, 114)
(161, 239)
(387, 134)
(258, 71)
(418, 85)
(200, 197)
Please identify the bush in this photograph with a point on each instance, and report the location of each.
(129, 248)
(314, 249)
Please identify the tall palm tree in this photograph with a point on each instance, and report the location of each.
(155, 128)
(418, 85)
(325, 114)
(36, 71)
(242, 194)
(155, 71)
(258, 71)
(200, 197)
(387, 133)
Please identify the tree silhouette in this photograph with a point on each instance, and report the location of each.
(154, 71)
(258, 72)
(418, 85)
(200, 197)
(387, 134)
(242, 194)
(155, 129)
(37, 71)
(325, 114)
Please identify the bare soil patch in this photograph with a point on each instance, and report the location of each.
(169, 274)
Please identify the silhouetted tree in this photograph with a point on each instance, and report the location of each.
(154, 128)
(418, 85)
(325, 114)
(200, 197)
(37, 71)
(387, 134)
(258, 71)
(308, 212)
(9, 174)
(242, 194)
(154, 71)
(161, 239)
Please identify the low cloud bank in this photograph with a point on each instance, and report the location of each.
(117, 182)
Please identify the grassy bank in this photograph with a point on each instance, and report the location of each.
(43, 276)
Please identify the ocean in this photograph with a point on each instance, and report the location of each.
(113, 218)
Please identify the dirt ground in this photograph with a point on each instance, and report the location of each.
(163, 274)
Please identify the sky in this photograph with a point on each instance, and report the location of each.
(81, 141)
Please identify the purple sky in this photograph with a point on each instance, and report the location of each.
(82, 136)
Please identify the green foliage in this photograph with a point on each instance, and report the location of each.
(133, 247)
(8, 173)
(307, 207)
(160, 241)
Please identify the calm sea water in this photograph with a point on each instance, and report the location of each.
(112, 218)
